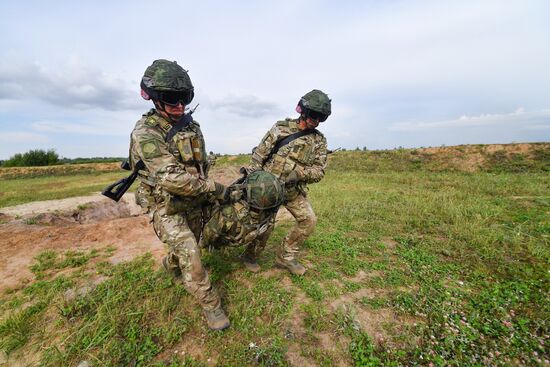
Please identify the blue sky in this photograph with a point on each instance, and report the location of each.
(400, 73)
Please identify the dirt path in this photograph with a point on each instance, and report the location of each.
(63, 205)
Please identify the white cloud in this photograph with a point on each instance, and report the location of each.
(96, 122)
(537, 127)
(22, 137)
(245, 106)
(419, 62)
(74, 85)
(519, 116)
(72, 128)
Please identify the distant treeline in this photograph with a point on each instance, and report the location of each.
(40, 157)
(91, 160)
(36, 157)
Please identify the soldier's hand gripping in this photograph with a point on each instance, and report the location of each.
(222, 192)
(293, 178)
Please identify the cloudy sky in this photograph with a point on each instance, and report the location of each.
(400, 73)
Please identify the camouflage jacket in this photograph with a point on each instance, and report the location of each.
(172, 167)
(307, 154)
(234, 225)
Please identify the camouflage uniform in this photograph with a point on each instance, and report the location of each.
(306, 155)
(174, 171)
(236, 224)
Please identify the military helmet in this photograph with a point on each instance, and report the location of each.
(168, 82)
(263, 191)
(315, 104)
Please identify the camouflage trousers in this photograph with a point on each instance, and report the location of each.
(254, 248)
(180, 233)
(301, 210)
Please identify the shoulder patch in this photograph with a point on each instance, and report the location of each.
(150, 149)
(151, 120)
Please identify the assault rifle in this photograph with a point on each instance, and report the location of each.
(116, 190)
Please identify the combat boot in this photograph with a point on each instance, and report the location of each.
(250, 263)
(216, 319)
(173, 270)
(291, 265)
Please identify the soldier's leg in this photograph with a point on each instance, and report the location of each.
(253, 250)
(301, 210)
(184, 251)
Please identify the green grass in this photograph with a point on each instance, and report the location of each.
(233, 160)
(407, 267)
(23, 190)
(64, 181)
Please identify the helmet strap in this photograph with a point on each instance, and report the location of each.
(160, 106)
(302, 121)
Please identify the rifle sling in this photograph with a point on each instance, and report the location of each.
(286, 140)
(179, 126)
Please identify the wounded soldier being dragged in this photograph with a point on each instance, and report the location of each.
(248, 217)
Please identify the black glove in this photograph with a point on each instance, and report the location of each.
(221, 193)
(245, 171)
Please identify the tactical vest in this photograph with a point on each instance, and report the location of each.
(187, 145)
(299, 152)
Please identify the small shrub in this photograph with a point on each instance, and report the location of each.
(36, 157)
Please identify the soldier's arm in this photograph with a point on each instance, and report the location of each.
(264, 148)
(165, 169)
(211, 231)
(316, 171)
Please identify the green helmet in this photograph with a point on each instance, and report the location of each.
(315, 104)
(263, 191)
(168, 82)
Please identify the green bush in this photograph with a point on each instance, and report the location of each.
(36, 157)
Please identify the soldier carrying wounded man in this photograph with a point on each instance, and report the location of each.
(295, 152)
(167, 150)
(168, 156)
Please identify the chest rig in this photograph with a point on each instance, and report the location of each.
(292, 147)
(185, 141)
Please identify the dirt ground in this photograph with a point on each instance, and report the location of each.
(60, 225)
(78, 223)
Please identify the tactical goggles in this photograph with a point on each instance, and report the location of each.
(175, 98)
(317, 116)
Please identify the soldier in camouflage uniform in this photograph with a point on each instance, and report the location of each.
(171, 145)
(298, 162)
(249, 219)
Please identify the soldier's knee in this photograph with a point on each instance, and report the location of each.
(313, 220)
(197, 274)
(196, 270)
(308, 225)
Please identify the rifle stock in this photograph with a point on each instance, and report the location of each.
(117, 189)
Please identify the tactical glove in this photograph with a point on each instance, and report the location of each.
(246, 170)
(221, 193)
(292, 178)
